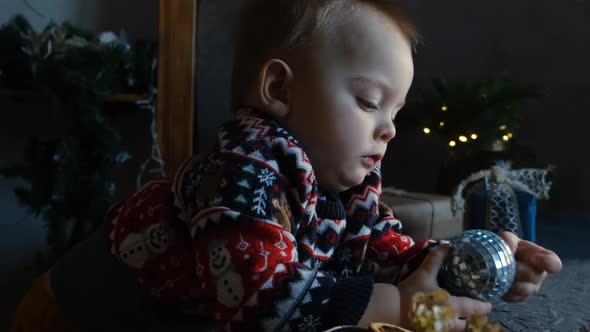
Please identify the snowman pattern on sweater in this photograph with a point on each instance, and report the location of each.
(243, 235)
(228, 282)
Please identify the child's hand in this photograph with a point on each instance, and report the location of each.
(424, 278)
(533, 262)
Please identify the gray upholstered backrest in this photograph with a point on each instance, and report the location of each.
(213, 66)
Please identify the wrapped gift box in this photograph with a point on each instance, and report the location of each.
(476, 212)
(423, 216)
(502, 198)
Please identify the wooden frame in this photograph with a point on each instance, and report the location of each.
(176, 81)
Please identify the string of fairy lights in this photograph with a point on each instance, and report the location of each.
(465, 138)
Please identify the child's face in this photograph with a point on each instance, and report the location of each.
(343, 120)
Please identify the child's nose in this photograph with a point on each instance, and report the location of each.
(385, 131)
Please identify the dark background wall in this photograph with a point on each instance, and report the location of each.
(541, 41)
(138, 18)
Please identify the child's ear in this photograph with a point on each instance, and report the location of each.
(273, 87)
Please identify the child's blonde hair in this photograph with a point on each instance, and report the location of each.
(275, 28)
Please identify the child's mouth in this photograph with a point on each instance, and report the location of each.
(370, 161)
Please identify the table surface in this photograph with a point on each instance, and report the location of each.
(562, 303)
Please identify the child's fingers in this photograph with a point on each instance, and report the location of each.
(435, 259)
(459, 325)
(511, 239)
(547, 260)
(466, 307)
(520, 291)
(526, 273)
(541, 258)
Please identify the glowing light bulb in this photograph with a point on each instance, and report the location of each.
(505, 137)
(444, 108)
(463, 138)
(503, 127)
(452, 143)
(426, 130)
(510, 135)
(473, 136)
(442, 124)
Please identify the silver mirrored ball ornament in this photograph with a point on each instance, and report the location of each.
(479, 265)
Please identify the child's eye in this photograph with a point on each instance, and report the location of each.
(366, 104)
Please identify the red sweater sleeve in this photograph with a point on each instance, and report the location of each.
(391, 255)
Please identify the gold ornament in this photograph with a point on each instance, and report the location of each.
(431, 313)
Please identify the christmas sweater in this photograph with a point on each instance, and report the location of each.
(241, 239)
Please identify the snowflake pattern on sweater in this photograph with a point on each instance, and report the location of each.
(240, 238)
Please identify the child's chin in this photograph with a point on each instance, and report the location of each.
(342, 182)
(353, 181)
